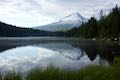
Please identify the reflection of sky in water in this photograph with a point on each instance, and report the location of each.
(60, 55)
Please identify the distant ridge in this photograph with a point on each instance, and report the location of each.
(7, 30)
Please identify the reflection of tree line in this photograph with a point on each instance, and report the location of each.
(105, 51)
(10, 44)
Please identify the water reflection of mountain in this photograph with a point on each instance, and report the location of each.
(78, 57)
(90, 48)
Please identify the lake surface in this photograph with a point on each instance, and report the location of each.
(23, 54)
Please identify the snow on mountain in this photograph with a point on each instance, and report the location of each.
(67, 23)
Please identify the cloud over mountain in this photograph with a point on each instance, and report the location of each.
(40, 12)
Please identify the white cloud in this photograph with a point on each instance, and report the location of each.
(40, 12)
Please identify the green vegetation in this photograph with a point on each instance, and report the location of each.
(11, 76)
(116, 62)
(106, 27)
(89, 73)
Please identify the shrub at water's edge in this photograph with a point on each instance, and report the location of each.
(88, 73)
(11, 76)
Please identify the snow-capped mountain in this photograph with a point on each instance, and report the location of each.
(67, 23)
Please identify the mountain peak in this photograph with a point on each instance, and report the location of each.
(75, 16)
(66, 23)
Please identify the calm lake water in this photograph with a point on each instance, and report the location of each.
(23, 54)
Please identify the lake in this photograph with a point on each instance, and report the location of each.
(24, 53)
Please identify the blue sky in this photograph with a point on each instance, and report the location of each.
(28, 13)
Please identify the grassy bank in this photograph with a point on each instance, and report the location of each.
(88, 73)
